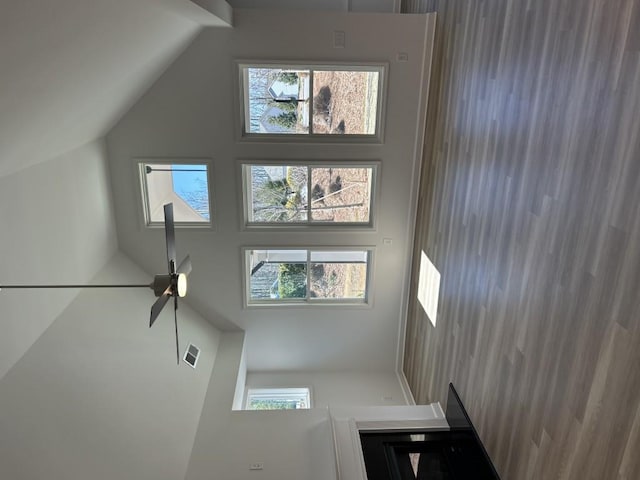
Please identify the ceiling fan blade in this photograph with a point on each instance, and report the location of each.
(175, 319)
(170, 235)
(185, 266)
(159, 304)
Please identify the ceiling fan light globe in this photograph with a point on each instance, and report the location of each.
(182, 285)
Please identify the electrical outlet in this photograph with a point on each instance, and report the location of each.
(339, 38)
(256, 466)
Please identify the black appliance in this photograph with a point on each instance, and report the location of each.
(453, 454)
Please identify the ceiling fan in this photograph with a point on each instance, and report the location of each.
(172, 284)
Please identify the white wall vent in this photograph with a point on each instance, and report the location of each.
(191, 355)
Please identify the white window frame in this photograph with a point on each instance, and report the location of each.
(140, 162)
(309, 301)
(284, 393)
(242, 80)
(247, 200)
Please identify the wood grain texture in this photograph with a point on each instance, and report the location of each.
(530, 209)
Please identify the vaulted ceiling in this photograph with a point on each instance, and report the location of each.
(72, 68)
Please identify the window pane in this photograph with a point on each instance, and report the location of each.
(338, 280)
(278, 399)
(345, 102)
(278, 193)
(341, 195)
(185, 186)
(338, 274)
(277, 100)
(273, 404)
(307, 276)
(278, 274)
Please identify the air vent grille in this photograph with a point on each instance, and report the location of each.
(191, 355)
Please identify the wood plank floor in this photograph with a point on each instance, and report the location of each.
(530, 209)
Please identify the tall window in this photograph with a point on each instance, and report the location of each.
(295, 276)
(184, 185)
(311, 100)
(296, 194)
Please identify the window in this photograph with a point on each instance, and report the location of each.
(311, 100)
(307, 276)
(184, 185)
(278, 399)
(322, 194)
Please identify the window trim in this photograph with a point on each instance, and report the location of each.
(245, 192)
(376, 138)
(308, 302)
(297, 391)
(143, 197)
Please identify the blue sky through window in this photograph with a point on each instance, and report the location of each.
(190, 183)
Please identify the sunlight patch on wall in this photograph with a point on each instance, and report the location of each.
(429, 287)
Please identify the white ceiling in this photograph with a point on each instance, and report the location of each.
(72, 68)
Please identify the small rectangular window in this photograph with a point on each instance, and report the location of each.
(319, 194)
(311, 100)
(184, 185)
(295, 276)
(278, 399)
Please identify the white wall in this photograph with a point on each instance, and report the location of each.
(100, 396)
(291, 444)
(57, 226)
(332, 389)
(192, 111)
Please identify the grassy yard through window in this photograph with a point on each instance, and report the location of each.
(311, 99)
(325, 276)
(286, 194)
(278, 399)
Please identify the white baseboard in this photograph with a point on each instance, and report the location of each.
(406, 390)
